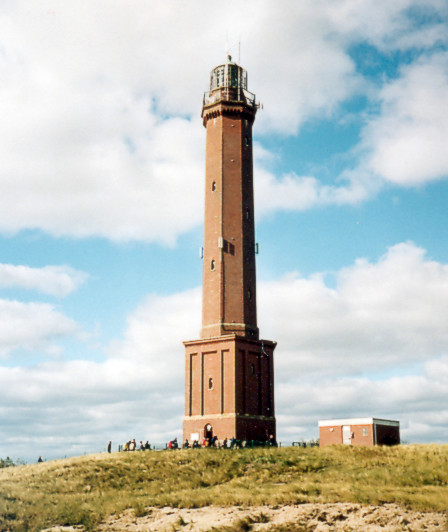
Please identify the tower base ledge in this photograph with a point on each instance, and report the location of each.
(224, 329)
(229, 337)
(229, 416)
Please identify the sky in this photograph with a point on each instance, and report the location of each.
(102, 171)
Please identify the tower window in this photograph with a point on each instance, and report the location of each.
(247, 214)
(212, 264)
(249, 294)
(246, 140)
(252, 369)
(210, 383)
(213, 186)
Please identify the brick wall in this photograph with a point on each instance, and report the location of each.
(360, 434)
(230, 384)
(229, 278)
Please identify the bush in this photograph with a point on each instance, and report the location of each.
(6, 462)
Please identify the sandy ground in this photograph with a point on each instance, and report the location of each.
(316, 517)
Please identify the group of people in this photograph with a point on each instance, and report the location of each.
(226, 443)
(131, 445)
(212, 441)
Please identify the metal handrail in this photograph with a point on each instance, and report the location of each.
(229, 94)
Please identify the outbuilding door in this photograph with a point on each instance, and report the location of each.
(346, 435)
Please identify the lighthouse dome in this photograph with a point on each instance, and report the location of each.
(228, 75)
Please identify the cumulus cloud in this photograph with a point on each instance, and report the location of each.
(86, 152)
(300, 54)
(58, 281)
(389, 25)
(379, 316)
(406, 142)
(32, 327)
(75, 407)
(299, 193)
(374, 344)
(101, 133)
(102, 176)
(137, 392)
(414, 400)
(153, 339)
(404, 145)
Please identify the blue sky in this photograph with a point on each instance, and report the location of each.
(101, 206)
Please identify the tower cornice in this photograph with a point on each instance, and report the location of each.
(223, 108)
(230, 338)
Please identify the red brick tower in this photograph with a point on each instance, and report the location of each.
(229, 378)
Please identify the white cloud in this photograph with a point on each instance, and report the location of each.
(156, 329)
(32, 327)
(339, 353)
(85, 151)
(137, 392)
(299, 193)
(416, 401)
(296, 66)
(406, 143)
(117, 171)
(58, 281)
(389, 25)
(96, 138)
(379, 316)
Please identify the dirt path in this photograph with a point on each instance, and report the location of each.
(316, 517)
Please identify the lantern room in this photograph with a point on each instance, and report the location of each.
(228, 82)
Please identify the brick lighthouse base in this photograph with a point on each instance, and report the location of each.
(229, 389)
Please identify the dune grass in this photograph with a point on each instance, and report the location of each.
(84, 490)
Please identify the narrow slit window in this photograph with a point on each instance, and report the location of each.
(212, 264)
(213, 186)
(210, 383)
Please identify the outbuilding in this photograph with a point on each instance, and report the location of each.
(359, 431)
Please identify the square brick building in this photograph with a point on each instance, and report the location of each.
(359, 431)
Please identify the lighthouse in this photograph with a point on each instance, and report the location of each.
(229, 371)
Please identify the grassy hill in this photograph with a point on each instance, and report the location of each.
(86, 489)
